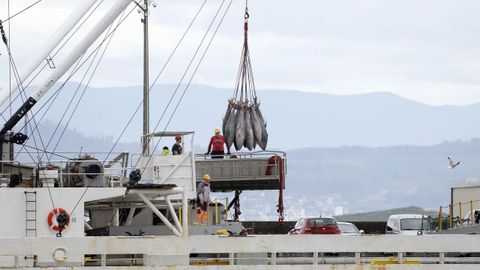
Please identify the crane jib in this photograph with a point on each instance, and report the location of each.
(17, 116)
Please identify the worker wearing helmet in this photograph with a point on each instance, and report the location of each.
(215, 147)
(203, 199)
(177, 147)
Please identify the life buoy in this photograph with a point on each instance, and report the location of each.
(53, 214)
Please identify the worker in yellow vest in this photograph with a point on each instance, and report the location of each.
(203, 199)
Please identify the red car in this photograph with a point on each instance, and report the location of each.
(315, 225)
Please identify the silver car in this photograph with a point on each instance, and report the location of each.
(348, 228)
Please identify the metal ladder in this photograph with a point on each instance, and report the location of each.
(30, 213)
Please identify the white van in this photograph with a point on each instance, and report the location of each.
(408, 224)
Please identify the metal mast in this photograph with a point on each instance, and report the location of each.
(146, 82)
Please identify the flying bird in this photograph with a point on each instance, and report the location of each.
(451, 164)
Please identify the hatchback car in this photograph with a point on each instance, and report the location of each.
(348, 228)
(315, 225)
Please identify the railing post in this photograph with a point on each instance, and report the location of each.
(315, 258)
(216, 211)
(451, 216)
(442, 258)
(358, 259)
(274, 258)
(470, 218)
(231, 259)
(460, 216)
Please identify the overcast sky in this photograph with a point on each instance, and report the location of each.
(424, 50)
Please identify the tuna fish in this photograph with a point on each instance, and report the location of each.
(225, 118)
(240, 128)
(256, 125)
(250, 138)
(264, 142)
(229, 133)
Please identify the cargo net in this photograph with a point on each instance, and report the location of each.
(243, 124)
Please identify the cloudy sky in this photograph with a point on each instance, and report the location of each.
(424, 50)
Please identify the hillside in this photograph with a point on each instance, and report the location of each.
(295, 119)
(382, 215)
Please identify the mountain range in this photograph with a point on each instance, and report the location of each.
(294, 119)
(346, 154)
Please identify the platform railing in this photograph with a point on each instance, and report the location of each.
(252, 252)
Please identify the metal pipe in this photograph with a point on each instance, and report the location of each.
(174, 216)
(185, 212)
(116, 217)
(130, 216)
(146, 83)
(51, 43)
(158, 213)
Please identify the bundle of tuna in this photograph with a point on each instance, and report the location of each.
(243, 123)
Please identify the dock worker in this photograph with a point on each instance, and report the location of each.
(203, 199)
(165, 151)
(215, 147)
(177, 146)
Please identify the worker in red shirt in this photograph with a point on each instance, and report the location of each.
(215, 147)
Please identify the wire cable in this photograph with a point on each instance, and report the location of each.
(157, 77)
(84, 87)
(22, 11)
(57, 51)
(189, 82)
(181, 80)
(93, 51)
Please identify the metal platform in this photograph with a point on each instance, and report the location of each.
(249, 171)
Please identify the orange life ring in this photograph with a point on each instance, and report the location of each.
(52, 214)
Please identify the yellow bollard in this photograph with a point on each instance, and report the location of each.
(180, 215)
(440, 219)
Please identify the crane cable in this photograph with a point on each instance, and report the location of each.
(49, 101)
(22, 11)
(189, 82)
(154, 82)
(79, 65)
(74, 32)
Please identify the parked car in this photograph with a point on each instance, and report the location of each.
(408, 224)
(347, 228)
(315, 225)
(471, 217)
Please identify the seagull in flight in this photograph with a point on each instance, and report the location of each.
(451, 164)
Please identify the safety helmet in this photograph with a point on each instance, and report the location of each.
(206, 177)
(177, 138)
(217, 130)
